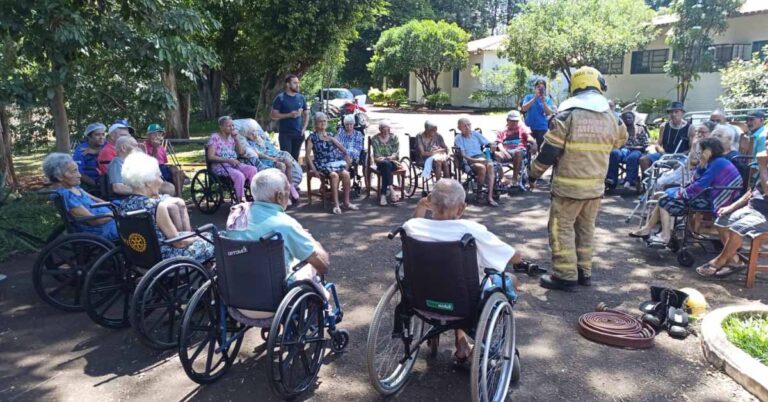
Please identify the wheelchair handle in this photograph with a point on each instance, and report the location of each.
(91, 218)
(467, 239)
(299, 266)
(208, 227)
(270, 235)
(395, 232)
(101, 204)
(136, 212)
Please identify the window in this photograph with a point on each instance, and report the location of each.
(758, 47)
(615, 66)
(724, 54)
(456, 77)
(649, 61)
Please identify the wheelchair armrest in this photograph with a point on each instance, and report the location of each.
(490, 271)
(101, 204)
(270, 235)
(399, 230)
(299, 266)
(467, 239)
(136, 212)
(178, 238)
(91, 218)
(208, 227)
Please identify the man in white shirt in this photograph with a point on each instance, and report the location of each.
(446, 202)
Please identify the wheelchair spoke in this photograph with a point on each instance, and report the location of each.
(209, 358)
(113, 299)
(199, 349)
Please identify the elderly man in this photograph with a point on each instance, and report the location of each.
(471, 144)
(513, 142)
(755, 123)
(446, 203)
(108, 152)
(124, 146)
(718, 117)
(674, 136)
(86, 154)
(271, 195)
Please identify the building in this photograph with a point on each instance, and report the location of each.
(459, 84)
(642, 71)
(639, 71)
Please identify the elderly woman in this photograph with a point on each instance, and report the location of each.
(223, 151)
(326, 155)
(386, 151)
(714, 171)
(433, 152)
(675, 177)
(255, 140)
(351, 139)
(62, 170)
(141, 172)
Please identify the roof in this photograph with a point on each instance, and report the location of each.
(750, 7)
(487, 43)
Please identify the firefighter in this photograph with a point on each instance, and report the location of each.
(578, 144)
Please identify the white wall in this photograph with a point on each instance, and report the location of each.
(704, 93)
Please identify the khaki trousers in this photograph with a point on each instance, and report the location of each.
(571, 229)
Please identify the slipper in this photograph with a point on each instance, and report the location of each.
(706, 270)
(728, 270)
(336, 211)
(639, 236)
(352, 207)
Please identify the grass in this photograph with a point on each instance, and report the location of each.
(750, 333)
(26, 212)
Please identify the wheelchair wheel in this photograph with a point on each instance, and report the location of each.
(108, 289)
(685, 258)
(204, 355)
(60, 269)
(207, 192)
(339, 340)
(296, 343)
(411, 177)
(493, 357)
(158, 303)
(385, 350)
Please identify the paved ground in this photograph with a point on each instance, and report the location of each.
(50, 355)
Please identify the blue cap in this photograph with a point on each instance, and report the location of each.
(93, 127)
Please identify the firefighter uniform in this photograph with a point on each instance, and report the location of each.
(578, 144)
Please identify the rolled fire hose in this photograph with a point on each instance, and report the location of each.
(616, 328)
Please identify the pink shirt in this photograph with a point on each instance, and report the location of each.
(158, 153)
(508, 137)
(107, 153)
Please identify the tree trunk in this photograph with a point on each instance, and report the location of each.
(7, 170)
(173, 128)
(184, 103)
(60, 121)
(209, 91)
(270, 87)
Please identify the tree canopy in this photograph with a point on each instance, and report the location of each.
(745, 83)
(425, 47)
(554, 35)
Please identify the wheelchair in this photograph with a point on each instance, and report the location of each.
(437, 288)
(208, 188)
(59, 271)
(249, 291)
(358, 173)
(508, 166)
(470, 183)
(667, 163)
(414, 166)
(133, 285)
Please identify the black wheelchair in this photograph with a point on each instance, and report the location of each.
(208, 189)
(358, 173)
(414, 167)
(470, 183)
(249, 290)
(508, 166)
(437, 288)
(59, 271)
(133, 285)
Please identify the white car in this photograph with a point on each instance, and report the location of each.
(336, 98)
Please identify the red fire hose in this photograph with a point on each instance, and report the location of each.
(616, 328)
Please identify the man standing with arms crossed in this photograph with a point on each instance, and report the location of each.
(291, 111)
(581, 137)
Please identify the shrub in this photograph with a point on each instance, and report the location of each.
(745, 83)
(395, 96)
(375, 95)
(750, 333)
(438, 100)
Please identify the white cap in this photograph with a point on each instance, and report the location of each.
(116, 126)
(513, 115)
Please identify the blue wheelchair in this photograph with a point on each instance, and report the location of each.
(249, 291)
(437, 288)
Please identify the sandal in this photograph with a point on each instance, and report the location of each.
(336, 211)
(656, 241)
(352, 207)
(636, 235)
(708, 271)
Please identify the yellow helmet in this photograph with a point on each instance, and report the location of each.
(586, 78)
(695, 304)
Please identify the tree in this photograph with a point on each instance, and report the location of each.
(425, 47)
(745, 83)
(553, 36)
(502, 86)
(698, 21)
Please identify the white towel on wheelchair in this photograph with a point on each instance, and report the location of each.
(427, 172)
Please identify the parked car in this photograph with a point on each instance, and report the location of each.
(336, 98)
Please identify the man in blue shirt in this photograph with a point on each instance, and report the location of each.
(290, 110)
(86, 154)
(471, 145)
(537, 107)
(755, 120)
(271, 194)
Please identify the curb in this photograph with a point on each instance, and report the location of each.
(724, 355)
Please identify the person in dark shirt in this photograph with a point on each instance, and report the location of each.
(290, 110)
(86, 154)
